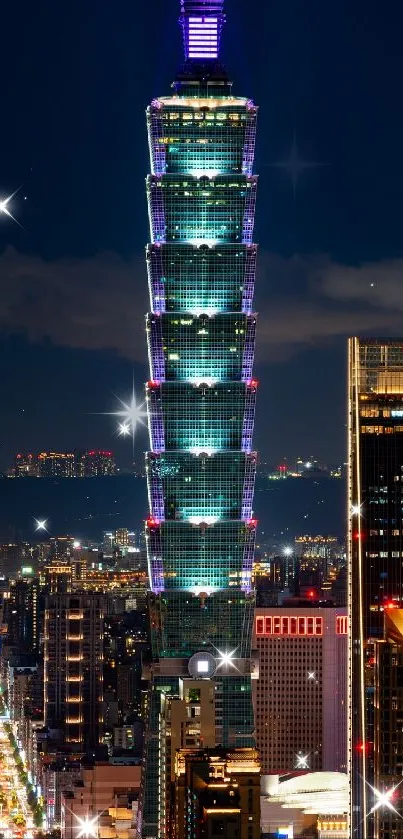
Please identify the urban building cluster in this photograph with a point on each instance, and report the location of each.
(74, 464)
(303, 468)
(145, 690)
(73, 639)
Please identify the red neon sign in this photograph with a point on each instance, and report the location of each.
(342, 625)
(289, 625)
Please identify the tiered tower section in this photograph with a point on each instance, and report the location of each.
(201, 394)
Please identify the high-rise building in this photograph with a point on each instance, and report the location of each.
(216, 794)
(375, 550)
(201, 394)
(301, 692)
(23, 615)
(74, 667)
(388, 743)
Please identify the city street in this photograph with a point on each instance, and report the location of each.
(15, 813)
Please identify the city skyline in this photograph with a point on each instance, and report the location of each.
(345, 213)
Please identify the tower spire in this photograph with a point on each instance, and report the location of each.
(202, 22)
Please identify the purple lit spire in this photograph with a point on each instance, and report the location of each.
(202, 22)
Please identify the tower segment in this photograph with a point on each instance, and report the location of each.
(201, 393)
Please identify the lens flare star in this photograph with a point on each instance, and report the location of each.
(383, 798)
(130, 416)
(302, 761)
(88, 828)
(295, 167)
(41, 524)
(226, 659)
(4, 208)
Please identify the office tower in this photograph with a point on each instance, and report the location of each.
(74, 667)
(187, 721)
(57, 578)
(96, 463)
(216, 794)
(201, 394)
(23, 618)
(388, 743)
(122, 537)
(301, 691)
(375, 544)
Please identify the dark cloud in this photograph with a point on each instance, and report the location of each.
(93, 303)
(99, 302)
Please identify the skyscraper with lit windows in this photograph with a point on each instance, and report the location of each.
(201, 394)
(375, 580)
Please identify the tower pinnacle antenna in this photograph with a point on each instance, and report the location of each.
(202, 22)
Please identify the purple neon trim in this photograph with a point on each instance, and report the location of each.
(249, 349)
(202, 20)
(249, 280)
(156, 421)
(250, 138)
(155, 281)
(156, 209)
(156, 351)
(248, 554)
(248, 419)
(249, 215)
(156, 568)
(155, 123)
(157, 498)
(248, 487)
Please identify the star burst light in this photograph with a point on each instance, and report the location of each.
(302, 761)
(295, 167)
(40, 524)
(4, 208)
(226, 659)
(88, 828)
(383, 798)
(130, 416)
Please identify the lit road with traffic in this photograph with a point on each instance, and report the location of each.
(15, 813)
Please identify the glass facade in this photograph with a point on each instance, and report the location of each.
(375, 547)
(201, 394)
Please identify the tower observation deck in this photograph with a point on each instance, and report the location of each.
(201, 394)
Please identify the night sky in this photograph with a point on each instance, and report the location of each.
(76, 79)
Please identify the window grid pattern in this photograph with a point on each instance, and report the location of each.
(201, 418)
(202, 138)
(201, 349)
(184, 486)
(203, 558)
(180, 627)
(197, 210)
(201, 279)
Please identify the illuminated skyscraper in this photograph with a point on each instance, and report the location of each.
(375, 555)
(201, 393)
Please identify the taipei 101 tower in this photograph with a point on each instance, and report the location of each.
(201, 402)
